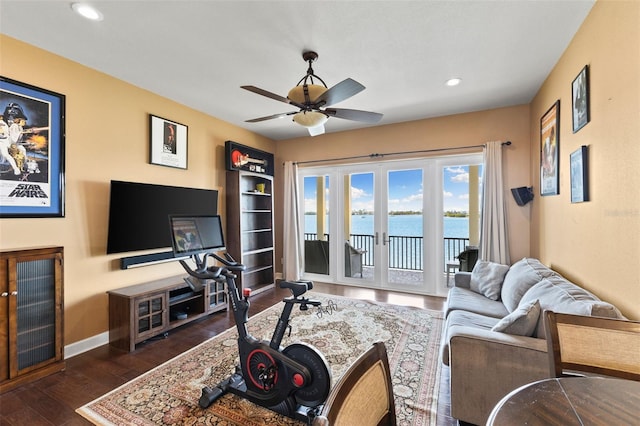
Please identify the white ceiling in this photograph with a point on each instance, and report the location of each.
(199, 53)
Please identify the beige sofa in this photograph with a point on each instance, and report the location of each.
(494, 338)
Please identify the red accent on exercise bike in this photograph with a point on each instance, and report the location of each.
(246, 292)
(295, 380)
(298, 380)
(257, 367)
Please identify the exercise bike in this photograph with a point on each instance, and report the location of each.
(294, 381)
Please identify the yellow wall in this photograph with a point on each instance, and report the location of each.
(107, 138)
(596, 243)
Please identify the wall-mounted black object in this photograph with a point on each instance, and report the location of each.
(139, 217)
(522, 195)
(241, 157)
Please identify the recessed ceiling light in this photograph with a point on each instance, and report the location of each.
(87, 11)
(453, 81)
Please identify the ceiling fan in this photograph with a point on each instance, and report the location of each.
(313, 99)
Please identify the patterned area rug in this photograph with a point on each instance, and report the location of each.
(168, 394)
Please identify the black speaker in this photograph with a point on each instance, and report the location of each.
(522, 195)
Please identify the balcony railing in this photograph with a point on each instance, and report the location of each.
(404, 252)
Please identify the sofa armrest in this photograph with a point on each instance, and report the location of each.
(486, 365)
(462, 279)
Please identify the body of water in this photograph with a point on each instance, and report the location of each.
(399, 225)
(403, 253)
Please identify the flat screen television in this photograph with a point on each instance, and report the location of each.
(139, 213)
(196, 234)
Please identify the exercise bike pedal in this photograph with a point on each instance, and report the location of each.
(209, 396)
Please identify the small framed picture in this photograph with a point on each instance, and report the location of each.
(580, 99)
(550, 150)
(168, 143)
(579, 175)
(32, 151)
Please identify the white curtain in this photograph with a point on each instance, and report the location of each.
(292, 252)
(494, 243)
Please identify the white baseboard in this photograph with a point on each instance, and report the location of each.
(86, 345)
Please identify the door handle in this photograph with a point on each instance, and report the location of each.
(377, 242)
(384, 239)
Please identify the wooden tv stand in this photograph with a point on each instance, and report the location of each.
(142, 311)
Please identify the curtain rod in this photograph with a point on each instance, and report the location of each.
(377, 155)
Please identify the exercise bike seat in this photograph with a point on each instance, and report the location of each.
(298, 288)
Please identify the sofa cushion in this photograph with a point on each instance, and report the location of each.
(521, 277)
(467, 319)
(487, 277)
(559, 295)
(522, 321)
(462, 299)
(599, 308)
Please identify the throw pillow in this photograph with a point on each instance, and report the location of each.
(522, 321)
(487, 277)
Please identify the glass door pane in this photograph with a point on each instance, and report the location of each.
(461, 219)
(359, 226)
(316, 224)
(404, 236)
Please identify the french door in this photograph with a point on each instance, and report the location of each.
(379, 225)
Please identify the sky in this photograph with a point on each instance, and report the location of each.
(405, 190)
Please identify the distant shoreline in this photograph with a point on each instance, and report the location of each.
(402, 213)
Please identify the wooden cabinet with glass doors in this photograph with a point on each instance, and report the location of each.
(31, 315)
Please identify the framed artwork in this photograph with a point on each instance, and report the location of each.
(579, 175)
(241, 157)
(580, 99)
(550, 151)
(32, 151)
(168, 143)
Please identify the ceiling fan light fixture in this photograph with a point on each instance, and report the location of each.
(310, 118)
(297, 93)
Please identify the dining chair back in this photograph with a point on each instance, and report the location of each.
(595, 345)
(363, 396)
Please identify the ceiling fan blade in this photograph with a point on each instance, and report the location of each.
(271, 117)
(354, 114)
(315, 131)
(338, 93)
(271, 95)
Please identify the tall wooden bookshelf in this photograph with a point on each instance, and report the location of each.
(250, 234)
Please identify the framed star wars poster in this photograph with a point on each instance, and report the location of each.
(32, 144)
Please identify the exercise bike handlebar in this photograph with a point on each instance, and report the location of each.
(204, 272)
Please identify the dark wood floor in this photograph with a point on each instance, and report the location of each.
(53, 400)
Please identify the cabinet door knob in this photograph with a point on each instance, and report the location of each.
(14, 293)
(4, 294)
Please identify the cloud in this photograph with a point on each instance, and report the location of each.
(309, 205)
(447, 194)
(460, 178)
(456, 170)
(357, 193)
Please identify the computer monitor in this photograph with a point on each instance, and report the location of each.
(196, 234)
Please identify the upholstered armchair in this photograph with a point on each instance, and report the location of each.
(316, 256)
(352, 260)
(468, 259)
